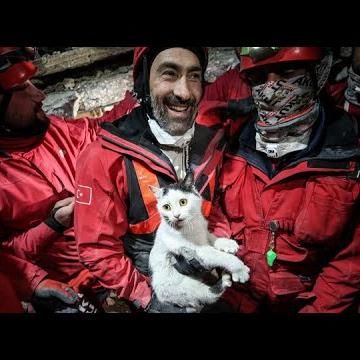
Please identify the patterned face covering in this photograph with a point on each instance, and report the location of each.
(278, 143)
(281, 103)
(288, 108)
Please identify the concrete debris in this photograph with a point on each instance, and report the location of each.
(71, 96)
(75, 58)
(91, 92)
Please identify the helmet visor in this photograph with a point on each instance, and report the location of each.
(258, 53)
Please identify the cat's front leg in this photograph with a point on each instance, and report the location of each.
(214, 258)
(226, 245)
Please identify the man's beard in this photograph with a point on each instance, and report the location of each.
(171, 125)
(37, 126)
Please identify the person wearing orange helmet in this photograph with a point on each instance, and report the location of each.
(290, 189)
(155, 144)
(37, 172)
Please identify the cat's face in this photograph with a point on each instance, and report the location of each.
(178, 208)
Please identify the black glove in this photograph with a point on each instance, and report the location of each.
(236, 108)
(221, 306)
(195, 269)
(52, 296)
(156, 307)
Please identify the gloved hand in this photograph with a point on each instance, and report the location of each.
(61, 216)
(237, 108)
(195, 269)
(50, 288)
(54, 296)
(221, 306)
(156, 307)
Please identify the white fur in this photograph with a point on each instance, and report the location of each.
(192, 240)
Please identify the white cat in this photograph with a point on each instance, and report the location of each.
(184, 231)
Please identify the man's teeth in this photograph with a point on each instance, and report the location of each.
(178, 108)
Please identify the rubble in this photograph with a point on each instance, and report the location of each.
(79, 83)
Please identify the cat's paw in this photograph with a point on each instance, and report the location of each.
(226, 245)
(226, 280)
(241, 275)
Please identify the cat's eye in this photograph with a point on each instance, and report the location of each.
(183, 202)
(167, 207)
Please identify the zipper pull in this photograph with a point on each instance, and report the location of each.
(271, 254)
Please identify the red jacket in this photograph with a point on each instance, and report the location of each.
(24, 275)
(9, 302)
(34, 174)
(314, 203)
(115, 214)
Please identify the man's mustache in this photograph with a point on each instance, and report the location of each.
(176, 101)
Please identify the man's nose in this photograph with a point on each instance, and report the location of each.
(35, 93)
(181, 89)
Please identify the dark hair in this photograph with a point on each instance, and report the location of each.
(141, 83)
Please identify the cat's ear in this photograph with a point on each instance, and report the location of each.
(157, 191)
(188, 182)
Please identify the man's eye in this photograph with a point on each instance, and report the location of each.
(169, 73)
(167, 207)
(195, 76)
(256, 79)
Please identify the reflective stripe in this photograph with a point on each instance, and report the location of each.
(146, 178)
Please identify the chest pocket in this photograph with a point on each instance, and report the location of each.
(328, 206)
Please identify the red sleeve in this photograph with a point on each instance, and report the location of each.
(336, 91)
(28, 245)
(101, 222)
(219, 89)
(84, 131)
(9, 301)
(337, 288)
(232, 85)
(24, 276)
(120, 109)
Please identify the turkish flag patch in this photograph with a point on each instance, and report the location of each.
(83, 194)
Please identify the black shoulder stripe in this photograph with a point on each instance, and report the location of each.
(329, 164)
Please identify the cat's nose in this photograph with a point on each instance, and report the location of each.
(176, 216)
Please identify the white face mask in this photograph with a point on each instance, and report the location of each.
(282, 147)
(280, 103)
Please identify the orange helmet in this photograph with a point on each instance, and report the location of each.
(252, 57)
(15, 66)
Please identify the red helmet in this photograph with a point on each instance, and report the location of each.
(15, 66)
(139, 53)
(252, 57)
